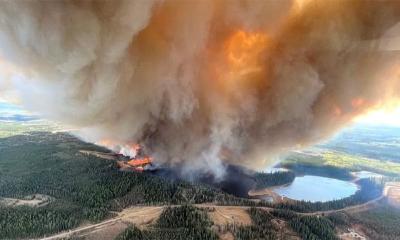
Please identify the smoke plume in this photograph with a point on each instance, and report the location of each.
(200, 83)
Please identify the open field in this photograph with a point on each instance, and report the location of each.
(343, 161)
(8, 129)
(392, 192)
(91, 199)
(35, 200)
(223, 215)
(370, 141)
(139, 216)
(360, 163)
(145, 216)
(107, 156)
(269, 192)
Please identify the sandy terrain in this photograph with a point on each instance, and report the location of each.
(392, 192)
(268, 192)
(35, 200)
(139, 215)
(223, 215)
(226, 236)
(107, 156)
(142, 216)
(110, 231)
(354, 233)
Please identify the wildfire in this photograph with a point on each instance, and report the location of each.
(137, 160)
(243, 51)
(126, 149)
(357, 102)
(337, 111)
(140, 161)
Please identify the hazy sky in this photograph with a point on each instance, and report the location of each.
(385, 116)
(382, 116)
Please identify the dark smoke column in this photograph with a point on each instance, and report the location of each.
(200, 83)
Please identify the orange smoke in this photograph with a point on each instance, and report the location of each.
(337, 111)
(242, 61)
(357, 102)
(124, 148)
(244, 51)
(187, 79)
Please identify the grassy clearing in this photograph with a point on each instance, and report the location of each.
(8, 129)
(344, 161)
(357, 163)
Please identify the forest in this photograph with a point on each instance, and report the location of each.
(304, 168)
(175, 223)
(264, 180)
(84, 187)
(381, 222)
(308, 227)
(261, 228)
(87, 188)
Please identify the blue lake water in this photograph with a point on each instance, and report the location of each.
(314, 189)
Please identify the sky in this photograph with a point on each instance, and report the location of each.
(12, 112)
(384, 116)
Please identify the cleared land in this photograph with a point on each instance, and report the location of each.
(139, 216)
(343, 161)
(352, 234)
(107, 156)
(35, 200)
(143, 216)
(223, 215)
(8, 129)
(269, 192)
(392, 192)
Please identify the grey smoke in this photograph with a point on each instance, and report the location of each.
(158, 72)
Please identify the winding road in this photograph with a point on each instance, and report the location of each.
(145, 215)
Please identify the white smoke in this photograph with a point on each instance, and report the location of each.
(199, 83)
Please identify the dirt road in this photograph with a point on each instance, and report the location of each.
(136, 215)
(145, 215)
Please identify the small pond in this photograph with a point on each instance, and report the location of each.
(315, 188)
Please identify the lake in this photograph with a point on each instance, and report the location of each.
(315, 188)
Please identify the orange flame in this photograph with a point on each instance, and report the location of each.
(337, 111)
(140, 161)
(128, 149)
(357, 102)
(243, 51)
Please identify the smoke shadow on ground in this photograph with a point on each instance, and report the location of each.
(237, 180)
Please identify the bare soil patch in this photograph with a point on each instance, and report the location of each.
(141, 216)
(35, 200)
(353, 233)
(107, 232)
(392, 192)
(226, 236)
(269, 192)
(107, 156)
(223, 215)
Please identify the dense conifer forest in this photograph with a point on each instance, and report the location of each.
(261, 228)
(84, 187)
(87, 188)
(264, 180)
(381, 222)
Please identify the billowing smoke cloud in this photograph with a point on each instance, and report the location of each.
(203, 82)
